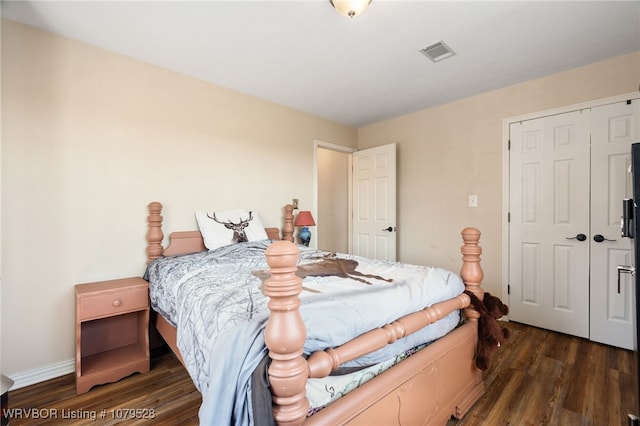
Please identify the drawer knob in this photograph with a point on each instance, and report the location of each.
(116, 303)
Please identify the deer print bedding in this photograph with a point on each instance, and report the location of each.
(215, 300)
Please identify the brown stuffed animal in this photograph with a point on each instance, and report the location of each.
(490, 334)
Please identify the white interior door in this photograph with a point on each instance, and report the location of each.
(614, 128)
(374, 202)
(549, 222)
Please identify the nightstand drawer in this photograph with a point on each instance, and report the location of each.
(113, 303)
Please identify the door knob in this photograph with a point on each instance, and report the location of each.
(389, 229)
(579, 237)
(600, 238)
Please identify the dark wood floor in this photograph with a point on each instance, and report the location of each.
(163, 396)
(536, 378)
(544, 378)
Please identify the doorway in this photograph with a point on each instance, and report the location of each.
(363, 221)
(333, 200)
(333, 196)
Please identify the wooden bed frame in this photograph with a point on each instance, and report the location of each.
(429, 387)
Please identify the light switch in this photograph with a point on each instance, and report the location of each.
(473, 200)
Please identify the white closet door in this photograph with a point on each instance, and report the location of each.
(614, 128)
(549, 225)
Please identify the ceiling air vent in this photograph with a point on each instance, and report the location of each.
(437, 51)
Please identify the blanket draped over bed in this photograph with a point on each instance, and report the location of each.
(215, 299)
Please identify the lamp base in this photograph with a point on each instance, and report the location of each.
(305, 236)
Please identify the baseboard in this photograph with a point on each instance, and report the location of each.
(60, 369)
(42, 374)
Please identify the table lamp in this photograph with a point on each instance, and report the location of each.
(304, 220)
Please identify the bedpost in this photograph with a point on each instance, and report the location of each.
(285, 335)
(154, 232)
(471, 271)
(287, 229)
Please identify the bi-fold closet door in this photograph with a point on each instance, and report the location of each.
(568, 175)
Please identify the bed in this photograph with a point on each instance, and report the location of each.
(426, 385)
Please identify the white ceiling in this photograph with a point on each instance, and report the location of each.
(358, 71)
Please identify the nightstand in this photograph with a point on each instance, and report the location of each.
(112, 331)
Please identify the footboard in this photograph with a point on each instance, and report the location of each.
(427, 388)
(451, 382)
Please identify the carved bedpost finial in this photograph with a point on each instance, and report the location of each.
(154, 232)
(285, 335)
(471, 271)
(287, 229)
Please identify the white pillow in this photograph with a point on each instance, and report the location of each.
(217, 234)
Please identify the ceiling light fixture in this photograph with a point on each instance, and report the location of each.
(350, 8)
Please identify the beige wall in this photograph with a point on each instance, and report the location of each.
(448, 152)
(89, 138)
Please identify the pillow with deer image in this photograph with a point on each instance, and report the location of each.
(220, 228)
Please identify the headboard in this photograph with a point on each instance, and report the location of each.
(183, 242)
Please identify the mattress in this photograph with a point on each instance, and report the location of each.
(215, 300)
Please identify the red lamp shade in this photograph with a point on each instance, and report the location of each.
(304, 218)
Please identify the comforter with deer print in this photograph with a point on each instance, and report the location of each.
(215, 300)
